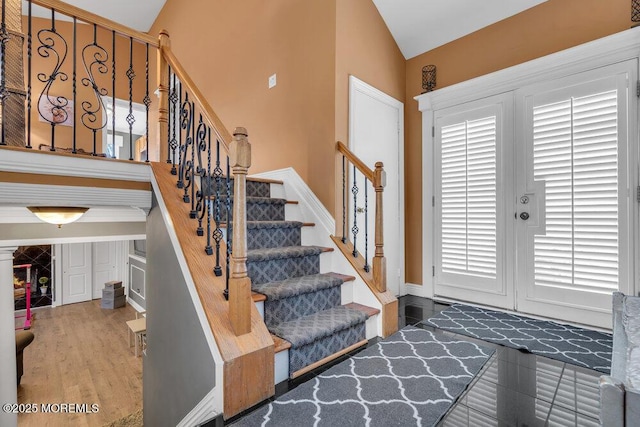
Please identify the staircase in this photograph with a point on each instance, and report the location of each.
(302, 305)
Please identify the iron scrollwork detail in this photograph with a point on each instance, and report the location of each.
(201, 172)
(54, 109)
(94, 58)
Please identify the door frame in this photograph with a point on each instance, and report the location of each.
(357, 86)
(595, 54)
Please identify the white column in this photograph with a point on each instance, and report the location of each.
(8, 389)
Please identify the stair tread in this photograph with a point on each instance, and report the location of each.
(257, 179)
(260, 200)
(249, 224)
(280, 344)
(273, 224)
(307, 329)
(298, 285)
(266, 180)
(266, 254)
(368, 311)
(344, 277)
(257, 297)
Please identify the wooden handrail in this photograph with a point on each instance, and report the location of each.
(377, 178)
(344, 150)
(223, 134)
(92, 18)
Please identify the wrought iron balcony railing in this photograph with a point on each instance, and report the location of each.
(88, 89)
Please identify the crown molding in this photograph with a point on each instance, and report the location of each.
(598, 53)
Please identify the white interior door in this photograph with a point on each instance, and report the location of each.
(376, 135)
(77, 273)
(574, 195)
(472, 203)
(104, 265)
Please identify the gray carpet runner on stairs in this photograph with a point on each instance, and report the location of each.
(303, 306)
(254, 188)
(258, 208)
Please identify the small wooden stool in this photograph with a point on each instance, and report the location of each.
(137, 328)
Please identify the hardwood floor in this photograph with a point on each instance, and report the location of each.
(81, 355)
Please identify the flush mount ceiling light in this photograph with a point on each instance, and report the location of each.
(58, 215)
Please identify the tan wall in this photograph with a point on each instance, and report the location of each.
(230, 48)
(313, 46)
(366, 49)
(41, 131)
(550, 27)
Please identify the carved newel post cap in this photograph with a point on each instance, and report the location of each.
(240, 131)
(240, 150)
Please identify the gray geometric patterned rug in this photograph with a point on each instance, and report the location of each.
(577, 346)
(410, 379)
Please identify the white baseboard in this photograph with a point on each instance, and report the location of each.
(135, 305)
(418, 290)
(203, 411)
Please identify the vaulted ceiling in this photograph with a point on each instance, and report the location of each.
(416, 25)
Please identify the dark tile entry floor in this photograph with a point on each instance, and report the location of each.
(516, 388)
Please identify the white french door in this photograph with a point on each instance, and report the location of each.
(533, 196)
(472, 162)
(574, 198)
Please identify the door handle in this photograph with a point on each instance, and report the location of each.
(524, 216)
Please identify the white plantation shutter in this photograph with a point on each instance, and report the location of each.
(575, 147)
(468, 198)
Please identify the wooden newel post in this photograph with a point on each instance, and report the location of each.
(239, 282)
(163, 90)
(379, 261)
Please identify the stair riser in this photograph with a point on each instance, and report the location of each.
(286, 309)
(255, 211)
(262, 238)
(282, 269)
(324, 347)
(254, 189)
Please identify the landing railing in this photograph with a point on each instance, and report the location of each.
(358, 181)
(87, 90)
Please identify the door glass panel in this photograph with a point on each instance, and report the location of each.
(575, 151)
(468, 215)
